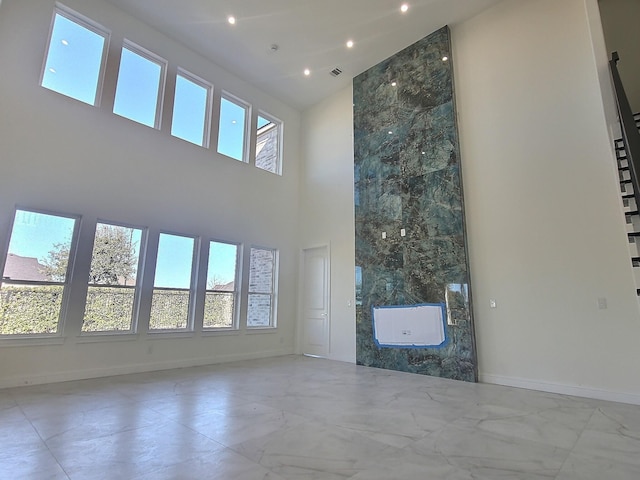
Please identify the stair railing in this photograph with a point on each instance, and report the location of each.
(630, 134)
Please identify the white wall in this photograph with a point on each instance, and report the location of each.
(62, 155)
(546, 232)
(620, 23)
(327, 209)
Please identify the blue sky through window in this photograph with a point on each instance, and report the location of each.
(175, 261)
(74, 60)
(222, 264)
(137, 90)
(262, 122)
(189, 111)
(36, 234)
(231, 133)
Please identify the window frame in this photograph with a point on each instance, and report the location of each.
(66, 285)
(279, 125)
(144, 231)
(91, 25)
(195, 266)
(237, 288)
(273, 323)
(209, 87)
(246, 140)
(162, 80)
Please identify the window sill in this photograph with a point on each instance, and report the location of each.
(30, 341)
(106, 337)
(258, 330)
(158, 334)
(221, 332)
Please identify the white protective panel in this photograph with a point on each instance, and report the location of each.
(414, 325)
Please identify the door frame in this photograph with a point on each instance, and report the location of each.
(299, 334)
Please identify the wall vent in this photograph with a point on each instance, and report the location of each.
(335, 72)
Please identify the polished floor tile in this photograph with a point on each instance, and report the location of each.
(299, 418)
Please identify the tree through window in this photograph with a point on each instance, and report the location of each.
(113, 278)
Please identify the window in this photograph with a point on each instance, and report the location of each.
(191, 109)
(75, 57)
(231, 133)
(172, 285)
(113, 279)
(140, 85)
(268, 144)
(262, 282)
(36, 272)
(222, 286)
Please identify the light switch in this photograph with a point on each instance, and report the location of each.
(384, 235)
(492, 303)
(403, 232)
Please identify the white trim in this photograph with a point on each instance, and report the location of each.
(563, 389)
(39, 379)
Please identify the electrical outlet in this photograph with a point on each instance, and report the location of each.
(602, 303)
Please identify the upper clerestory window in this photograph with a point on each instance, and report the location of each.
(234, 115)
(76, 56)
(191, 109)
(140, 85)
(268, 144)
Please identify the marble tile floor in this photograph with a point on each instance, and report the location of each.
(300, 418)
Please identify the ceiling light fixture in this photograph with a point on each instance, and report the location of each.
(445, 58)
(64, 42)
(393, 84)
(307, 72)
(231, 19)
(52, 70)
(349, 43)
(404, 7)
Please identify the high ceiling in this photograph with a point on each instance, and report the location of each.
(308, 33)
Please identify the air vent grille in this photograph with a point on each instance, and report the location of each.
(335, 72)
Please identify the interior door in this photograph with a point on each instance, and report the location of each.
(315, 308)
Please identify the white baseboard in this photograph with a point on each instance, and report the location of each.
(56, 377)
(574, 390)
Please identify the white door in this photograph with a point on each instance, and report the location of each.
(315, 302)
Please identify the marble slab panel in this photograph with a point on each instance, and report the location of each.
(410, 234)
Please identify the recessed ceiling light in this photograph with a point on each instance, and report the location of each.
(404, 7)
(52, 70)
(231, 19)
(234, 122)
(393, 84)
(350, 44)
(445, 58)
(390, 132)
(64, 42)
(307, 72)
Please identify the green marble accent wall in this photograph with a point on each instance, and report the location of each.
(407, 176)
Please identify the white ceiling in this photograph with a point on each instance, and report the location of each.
(309, 33)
